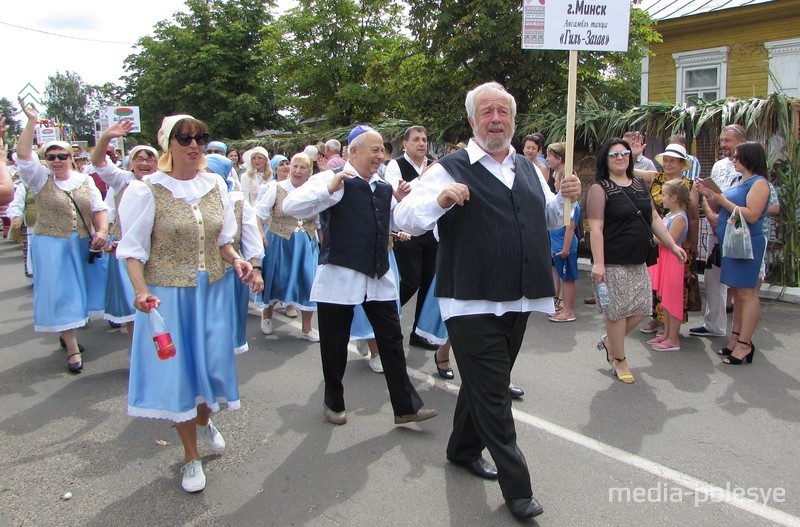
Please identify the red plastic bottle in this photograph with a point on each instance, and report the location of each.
(161, 337)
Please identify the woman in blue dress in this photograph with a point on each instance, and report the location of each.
(72, 220)
(292, 253)
(564, 246)
(246, 242)
(750, 197)
(177, 227)
(143, 161)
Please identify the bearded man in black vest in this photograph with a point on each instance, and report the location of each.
(493, 209)
(416, 257)
(355, 208)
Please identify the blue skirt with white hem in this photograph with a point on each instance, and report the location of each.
(430, 324)
(239, 306)
(361, 329)
(289, 270)
(119, 293)
(68, 288)
(203, 369)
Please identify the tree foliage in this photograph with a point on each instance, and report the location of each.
(66, 99)
(333, 57)
(8, 110)
(211, 63)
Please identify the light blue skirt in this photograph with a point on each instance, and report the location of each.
(203, 369)
(430, 324)
(289, 270)
(239, 304)
(119, 293)
(361, 329)
(68, 288)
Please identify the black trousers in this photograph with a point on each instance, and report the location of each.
(485, 348)
(334, 334)
(416, 261)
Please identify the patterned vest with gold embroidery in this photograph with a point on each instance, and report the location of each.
(184, 239)
(116, 229)
(56, 215)
(284, 225)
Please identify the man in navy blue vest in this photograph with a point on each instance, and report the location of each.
(493, 209)
(416, 257)
(355, 208)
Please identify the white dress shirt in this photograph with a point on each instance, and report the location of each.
(419, 211)
(34, 175)
(252, 244)
(393, 176)
(335, 284)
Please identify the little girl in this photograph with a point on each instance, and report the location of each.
(667, 274)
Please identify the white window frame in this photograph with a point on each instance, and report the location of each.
(779, 51)
(701, 59)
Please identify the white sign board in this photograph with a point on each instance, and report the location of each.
(46, 133)
(111, 114)
(600, 25)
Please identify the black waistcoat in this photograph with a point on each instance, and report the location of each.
(496, 246)
(355, 231)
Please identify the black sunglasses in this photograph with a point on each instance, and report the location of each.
(213, 151)
(186, 139)
(53, 157)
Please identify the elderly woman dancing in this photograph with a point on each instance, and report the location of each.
(177, 228)
(71, 231)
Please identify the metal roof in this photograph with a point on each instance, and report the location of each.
(668, 9)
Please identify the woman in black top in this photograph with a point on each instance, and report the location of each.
(617, 204)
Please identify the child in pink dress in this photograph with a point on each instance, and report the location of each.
(667, 274)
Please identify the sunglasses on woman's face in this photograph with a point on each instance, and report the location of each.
(186, 139)
(53, 157)
(214, 151)
(623, 153)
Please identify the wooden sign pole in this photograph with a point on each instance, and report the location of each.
(571, 103)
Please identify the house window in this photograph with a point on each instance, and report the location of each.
(701, 75)
(784, 63)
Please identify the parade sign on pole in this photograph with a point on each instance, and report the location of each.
(575, 25)
(112, 114)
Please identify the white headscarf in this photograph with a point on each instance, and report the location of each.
(165, 161)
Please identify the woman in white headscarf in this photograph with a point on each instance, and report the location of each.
(177, 228)
(258, 173)
(71, 232)
(143, 161)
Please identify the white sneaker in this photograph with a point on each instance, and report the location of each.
(311, 336)
(211, 437)
(266, 325)
(193, 478)
(291, 312)
(375, 364)
(361, 346)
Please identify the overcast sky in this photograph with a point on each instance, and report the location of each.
(111, 28)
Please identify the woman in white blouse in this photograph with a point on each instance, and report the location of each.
(177, 228)
(71, 231)
(258, 173)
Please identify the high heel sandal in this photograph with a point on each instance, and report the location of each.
(626, 378)
(444, 373)
(725, 351)
(747, 358)
(601, 345)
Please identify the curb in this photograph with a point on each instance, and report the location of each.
(770, 292)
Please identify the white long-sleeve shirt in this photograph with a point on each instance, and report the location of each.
(335, 284)
(420, 210)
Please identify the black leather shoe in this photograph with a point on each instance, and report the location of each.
(515, 392)
(420, 342)
(480, 467)
(75, 367)
(524, 508)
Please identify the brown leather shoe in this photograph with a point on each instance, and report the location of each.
(422, 415)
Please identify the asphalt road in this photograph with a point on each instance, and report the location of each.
(693, 442)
